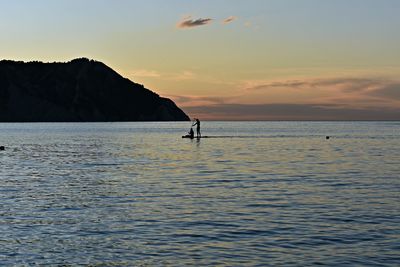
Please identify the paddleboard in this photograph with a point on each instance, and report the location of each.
(188, 136)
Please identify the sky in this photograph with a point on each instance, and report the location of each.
(228, 59)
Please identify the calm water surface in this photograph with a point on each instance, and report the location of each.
(272, 194)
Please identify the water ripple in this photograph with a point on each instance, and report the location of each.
(135, 194)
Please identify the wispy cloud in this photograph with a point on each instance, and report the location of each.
(346, 91)
(229, 20)
(183, 76)
(390, 91)
(188, 22)
(198, 101)
(146, 73)
(290, 112)
(334, 98)
(345, 83)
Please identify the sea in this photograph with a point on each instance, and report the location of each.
(252, 194)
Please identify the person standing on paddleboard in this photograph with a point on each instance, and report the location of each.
(197, 123)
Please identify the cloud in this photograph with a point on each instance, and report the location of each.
(183, 76)
(197, 101)
(345, 83)
(229, 20)
(146, 73)
(334, 98)
(359, 91)
(391, 91)
(290, 112)
(170, 76)
(188, 22)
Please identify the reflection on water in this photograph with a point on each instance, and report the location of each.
(138, 194)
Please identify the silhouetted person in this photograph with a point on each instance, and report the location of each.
(197, 123)
(191, 133)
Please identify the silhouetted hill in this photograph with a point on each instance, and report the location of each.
(80, 90)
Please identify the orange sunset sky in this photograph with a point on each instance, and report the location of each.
(228, 59)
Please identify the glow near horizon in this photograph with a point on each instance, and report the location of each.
(307, 52)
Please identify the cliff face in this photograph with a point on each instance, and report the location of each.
(80, 90)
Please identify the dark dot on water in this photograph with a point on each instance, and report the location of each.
(2, 148)
(327, 137)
